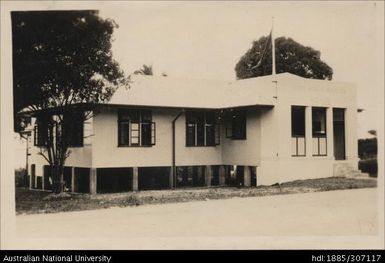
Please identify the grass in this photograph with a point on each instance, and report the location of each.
(33, 202)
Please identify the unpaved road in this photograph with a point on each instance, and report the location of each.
(336, 213)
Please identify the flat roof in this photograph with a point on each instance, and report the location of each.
(159, 91)
(170, 92)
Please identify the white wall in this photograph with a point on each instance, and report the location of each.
(277, 164)
(231, 152)
(244, 152)
(106, 152)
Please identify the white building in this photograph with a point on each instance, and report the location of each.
(165, 132)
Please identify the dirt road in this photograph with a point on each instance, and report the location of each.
(209, 223)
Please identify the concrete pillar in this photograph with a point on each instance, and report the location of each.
(93, 178)
(222, 175)
(73, 179)
(308, 131)
(351, 145)
(135, 181)
(246, 176)
(42, 179)
(208, 175)
(30, 178)
(329, 133)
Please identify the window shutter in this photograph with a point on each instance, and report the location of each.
(153, 133)
(123, 133)
(229, 129)
(134, 133)
(217, 134)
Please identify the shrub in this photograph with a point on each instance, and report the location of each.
(368, 166)
(20, 177)
(367, 148)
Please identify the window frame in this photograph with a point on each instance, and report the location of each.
(193, 121)
(319, 136)
(297, 136)
(232, 117)
(41, 124)
(124, 118)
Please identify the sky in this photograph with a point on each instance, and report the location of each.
(206, 39)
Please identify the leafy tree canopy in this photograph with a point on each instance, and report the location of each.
(291, 57)
(62, 58)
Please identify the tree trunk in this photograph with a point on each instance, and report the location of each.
(58, 182)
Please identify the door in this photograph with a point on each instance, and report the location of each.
(339, 133)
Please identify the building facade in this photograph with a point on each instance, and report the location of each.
(164, 133)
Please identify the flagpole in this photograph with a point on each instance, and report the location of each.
(273, 46)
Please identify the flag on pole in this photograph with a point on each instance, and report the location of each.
(272, 47)
(269, 41)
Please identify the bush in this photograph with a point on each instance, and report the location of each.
(367, 148)
(20, 177)
(368, 166)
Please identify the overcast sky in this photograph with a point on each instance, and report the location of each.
(206, 39)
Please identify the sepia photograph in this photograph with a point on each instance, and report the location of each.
(177, 125)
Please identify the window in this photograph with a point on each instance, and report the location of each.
(135, 128)
(71, 130)
(319, 131)
(73, 125)
(236, 125)
(202, 129)
(298, 141)
(41, 131)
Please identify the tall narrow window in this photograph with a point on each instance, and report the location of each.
(202, 129)
(41, 130)
(123, 130)
(190, 130)
(298, 146)
(147, 129)
(236, 125)
(135, 128)
(319, 131)
(210, 129)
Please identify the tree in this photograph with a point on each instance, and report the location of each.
(145, 70)
(61, 61)
(291, 57)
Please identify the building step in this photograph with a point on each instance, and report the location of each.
(347, 170)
